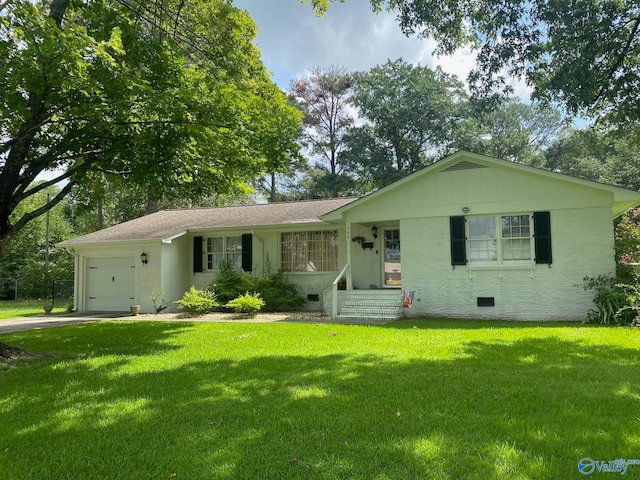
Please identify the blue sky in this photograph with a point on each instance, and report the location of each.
(293, 40)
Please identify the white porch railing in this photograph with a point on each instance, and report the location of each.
(334, 292)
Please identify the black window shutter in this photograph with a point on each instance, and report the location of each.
(197, 254)
(542, 237)
(458, 243)
(247, 252)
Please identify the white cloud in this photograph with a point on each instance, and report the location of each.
(293, 40)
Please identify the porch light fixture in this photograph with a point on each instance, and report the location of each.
(374, 231)
(465, 209)
(143, 258)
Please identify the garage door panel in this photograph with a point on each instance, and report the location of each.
(110, 283)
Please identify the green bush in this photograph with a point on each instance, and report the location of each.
(249, 303)
(278, 293)
(614, 303)
(197, 302)
(275, 289)
(229, 283)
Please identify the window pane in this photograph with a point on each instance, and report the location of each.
(516, 235)
(234, 252)
(482, 239)
(310, 251)
(214, 253)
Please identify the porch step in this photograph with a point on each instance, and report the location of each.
(371, 307)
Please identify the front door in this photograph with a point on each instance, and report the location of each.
(392, 276)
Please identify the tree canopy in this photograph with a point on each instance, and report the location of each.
(170, 95)
(583, 54)
(410, 113)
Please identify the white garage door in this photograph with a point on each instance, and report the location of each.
(110, 284)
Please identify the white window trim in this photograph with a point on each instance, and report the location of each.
(500, 263)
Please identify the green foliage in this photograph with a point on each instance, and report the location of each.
(159, 303)
(323, 98)
(23, 259)
(197, 302)
(604, 155)
(614, 303)
(249, 303)
(617, 299)
(275, 289)
(411, 111)
(628, 238)
(278, 292)
(229, 283)
(175, 100)
(584, 55)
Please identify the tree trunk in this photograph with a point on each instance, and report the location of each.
(273, 187)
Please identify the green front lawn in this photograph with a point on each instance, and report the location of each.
(425, 399)
(26, 308)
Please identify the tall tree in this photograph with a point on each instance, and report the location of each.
(168, 94)
(323, 97)
(410, 114)
(597, 154)
(584, 54)
(511, 130)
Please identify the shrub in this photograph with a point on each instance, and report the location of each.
(159, 303)
(278, 292)
(229, 283)
(615, 303)
(275, 289)
(197, 302)
(249, 303)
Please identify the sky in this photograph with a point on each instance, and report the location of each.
(293, 40)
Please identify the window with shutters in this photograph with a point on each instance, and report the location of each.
(501, 239)
(310, 251)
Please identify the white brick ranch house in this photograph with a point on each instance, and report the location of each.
(471, 236)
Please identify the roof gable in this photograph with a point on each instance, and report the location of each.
(478, 171)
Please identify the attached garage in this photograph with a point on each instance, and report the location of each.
(110, 283)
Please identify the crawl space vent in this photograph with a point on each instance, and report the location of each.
(486, 302)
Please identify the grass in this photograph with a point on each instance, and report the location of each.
(27, 308)
(426, 399)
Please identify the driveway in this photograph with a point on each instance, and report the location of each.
(64, 319)
(55, 320)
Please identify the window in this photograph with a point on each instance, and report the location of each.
(510, 242)
(516, 237)
(221, 249)
(310, 251)
(483, 244)
(234, 252)
(501, 239)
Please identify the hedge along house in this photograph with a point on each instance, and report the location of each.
(469, 236)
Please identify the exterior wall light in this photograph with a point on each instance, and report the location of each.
(466, 209)
(374, 231)
(143, 258)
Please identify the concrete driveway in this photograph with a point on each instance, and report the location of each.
(64, 319)
(56, 320)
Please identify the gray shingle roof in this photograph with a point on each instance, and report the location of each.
(167, 223)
